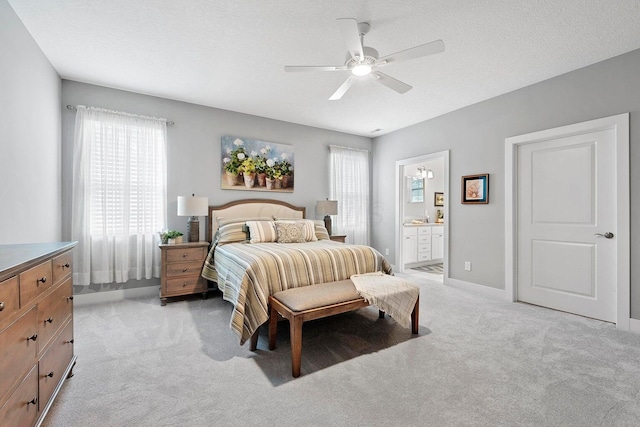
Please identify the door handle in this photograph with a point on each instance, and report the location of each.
(607, 235)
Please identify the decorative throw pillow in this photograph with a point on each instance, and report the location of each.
(308, 230)
(321, 230)
(231, 233)
(262, 231)
(290, 232)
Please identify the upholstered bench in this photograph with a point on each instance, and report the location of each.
(299, 305)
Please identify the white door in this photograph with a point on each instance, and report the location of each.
(566, 224)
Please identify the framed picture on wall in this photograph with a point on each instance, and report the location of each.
(438, 199)
(475, 189)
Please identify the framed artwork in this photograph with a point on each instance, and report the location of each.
(250, 164)
(475, 189)
(438, 199)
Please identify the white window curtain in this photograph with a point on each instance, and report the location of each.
(349, 185)
(119, 195)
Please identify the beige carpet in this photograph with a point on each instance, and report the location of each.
(476, 362)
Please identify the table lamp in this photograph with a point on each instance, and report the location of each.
(193, 207)
(327, 208)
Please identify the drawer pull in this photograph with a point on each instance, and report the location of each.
(32, 337)
(185, 284)
(184, 270)
(69, 342)
(70, 298)
(184, 255)
(66, 265)
(49, 320)
(1, 305)
(42, 280)
(33, 401)
(50, 374)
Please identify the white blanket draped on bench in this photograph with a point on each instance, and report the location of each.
(396, 297)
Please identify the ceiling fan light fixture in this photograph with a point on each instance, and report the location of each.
(361, 70)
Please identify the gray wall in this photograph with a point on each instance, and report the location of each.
(193, 164)
(29, 137)
(475, 135)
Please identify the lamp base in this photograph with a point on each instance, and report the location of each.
(327, 223)
(193, 229)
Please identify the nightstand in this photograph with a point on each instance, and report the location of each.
(181, 268)
(338, 237)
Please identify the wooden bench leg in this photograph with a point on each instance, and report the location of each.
(414, 316)
(273, 327)
(254, 340)
(295, 326)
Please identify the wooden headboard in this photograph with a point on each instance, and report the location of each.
(251, 208)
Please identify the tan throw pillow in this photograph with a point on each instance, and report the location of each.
(308, 230)
(290, 232)
(231, 233)
(321, 230)
(262, 231)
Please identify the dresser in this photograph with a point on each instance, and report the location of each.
(181, 270)
(36, 329)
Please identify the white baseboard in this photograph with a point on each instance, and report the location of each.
(114, 296)
(474, 287)
(634, 326)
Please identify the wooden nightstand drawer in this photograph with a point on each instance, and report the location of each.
(34, 282)
(9, 302)
(186, 254)
(184, 269)
(186, 285)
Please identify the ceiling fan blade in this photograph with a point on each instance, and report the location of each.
(342, 89)
(412, 53)
(351, 35)
(303, 68)
(390, 82)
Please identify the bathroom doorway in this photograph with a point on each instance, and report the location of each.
(422, 226)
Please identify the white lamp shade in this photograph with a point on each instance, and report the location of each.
(193, 206)
(327, 207)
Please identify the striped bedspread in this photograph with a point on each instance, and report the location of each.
(248, 273)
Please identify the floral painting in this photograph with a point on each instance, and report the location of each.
(475, 189)
(249, 164)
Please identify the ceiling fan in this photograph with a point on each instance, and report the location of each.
(363, 60)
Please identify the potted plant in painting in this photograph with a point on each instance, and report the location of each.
(174, 237)
(286, 170)
(233, 162)
(272, 166)
(248, 169)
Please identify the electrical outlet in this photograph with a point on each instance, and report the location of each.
(386, 251)
(467, 265)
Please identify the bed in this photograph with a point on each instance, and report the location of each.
(249, 263)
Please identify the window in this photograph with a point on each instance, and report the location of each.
(349, 185)
(119, 195)
(416, 186)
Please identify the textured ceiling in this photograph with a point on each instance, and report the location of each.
(230, 54)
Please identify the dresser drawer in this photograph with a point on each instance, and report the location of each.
(62, 266)
(424, 239)
(22, 407)
(9, 302)
(186, 285)
(53, 312)
(54, 363)
(184, 269)
(438, 229)
(34, 282)
(17, 350)
(186, 254)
